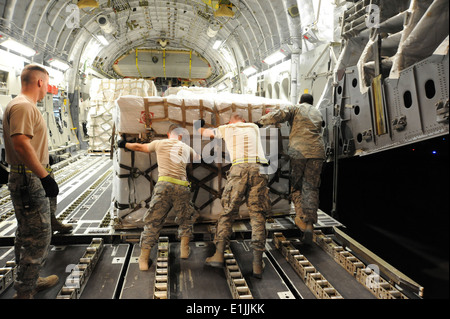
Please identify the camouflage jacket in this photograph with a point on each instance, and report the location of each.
(305, 139)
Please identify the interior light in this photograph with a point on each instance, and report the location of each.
(217, 44)
(275, 57)
(249, 71)
(59, 65)
(18, 47)
(102, 40)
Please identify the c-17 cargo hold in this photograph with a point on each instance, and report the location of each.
(127, 70)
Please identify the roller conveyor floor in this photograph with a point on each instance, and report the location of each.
(337, 276)
(273, 285)
(102, 283)
(117, 276)
(188, 279)
(110, 269)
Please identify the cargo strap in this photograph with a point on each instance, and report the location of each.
(134, 171)
(148, 123)
(135, 206)
(134, 174)
(256, 160)
(174, 181)
(20, 169)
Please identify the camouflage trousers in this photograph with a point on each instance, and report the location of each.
(245, 182)
(305, 183)
(33, 213)
(166, 196)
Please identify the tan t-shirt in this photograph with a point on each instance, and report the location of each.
(242, 140)
(172, 156)
(23, 117)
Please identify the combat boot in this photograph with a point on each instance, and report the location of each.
(46, 282)
(143, 259)
(300, 223)
(217, 259)
(258, 264)
(184, 249)
(42, 283)
(308, 234)
(60, 227)
(24, 295)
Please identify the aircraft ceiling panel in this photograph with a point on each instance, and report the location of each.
(256, 29)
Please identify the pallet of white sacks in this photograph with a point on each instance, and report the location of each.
(143, 119)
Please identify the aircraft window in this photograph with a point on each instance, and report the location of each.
(407, 99)
(354, 83)
(359, 138)
(356, 109)
(430, 89)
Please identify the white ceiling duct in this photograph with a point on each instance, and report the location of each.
(212, 30)
(104, 24)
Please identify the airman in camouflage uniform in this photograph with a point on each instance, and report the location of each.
(171, 191)
(166, 196)
(32, 185)
(244, 182)
(33, 217)
(307, 154)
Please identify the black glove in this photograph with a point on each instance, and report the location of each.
(199, 124)
(121, 143)
(259, 124)
(50, 186)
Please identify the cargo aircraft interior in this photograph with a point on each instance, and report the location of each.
(127, 69)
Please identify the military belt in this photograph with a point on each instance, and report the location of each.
(174, 181)
(256, 160)
(23, 169)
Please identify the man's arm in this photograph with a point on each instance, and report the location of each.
(278, 116)
(137, 147)
(199, 127)
(194, 157)
(27, 154)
